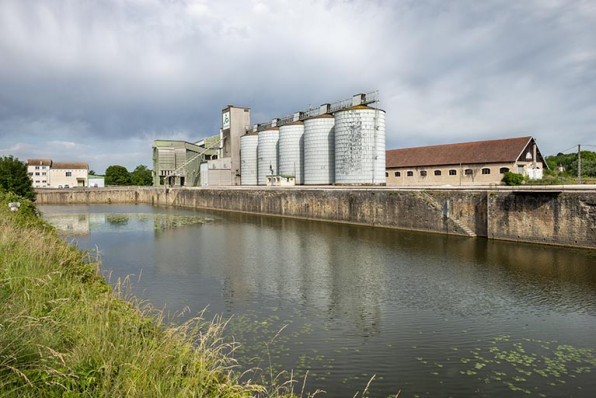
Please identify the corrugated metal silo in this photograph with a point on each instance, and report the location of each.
(319, 150)
(291, 150)
(360, 146)
(248, 159)
(267, 154)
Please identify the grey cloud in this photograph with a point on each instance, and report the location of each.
(118, 71)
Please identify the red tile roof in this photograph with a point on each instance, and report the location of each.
(494, 151)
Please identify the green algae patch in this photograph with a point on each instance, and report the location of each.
(524, 365)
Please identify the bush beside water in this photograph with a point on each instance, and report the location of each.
(65, 333)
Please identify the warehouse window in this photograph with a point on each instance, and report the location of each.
(437, 172)
(469, 172)
(69, 173)
(503, 170)
(423, 173)
(410, 174)
(486, 171)
(397, 174)
(452, 172)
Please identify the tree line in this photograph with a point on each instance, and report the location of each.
(569, 163)
(119, 175)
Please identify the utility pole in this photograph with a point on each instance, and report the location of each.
(579, 164)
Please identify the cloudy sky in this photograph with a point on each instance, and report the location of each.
(99, 80)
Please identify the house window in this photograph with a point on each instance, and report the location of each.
(37, 181)
(397, 174)
(43, 173)
(468, 172)
(36, 167)
(423, 173)
(410, 174)
(37, 173)
(386, 174)
(43, 167)
(69, 173)
(503, 170)
(438, 172)
(486, 171)
(452, 172)
(30, 173)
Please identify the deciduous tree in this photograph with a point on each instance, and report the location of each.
(141, 176)
(14, 177)
(117, 175)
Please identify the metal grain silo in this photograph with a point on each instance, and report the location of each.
(360, 146)
(291, 150)
(267, 154)
(319, 150)
(248, 159)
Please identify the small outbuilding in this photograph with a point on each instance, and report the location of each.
(469, 163)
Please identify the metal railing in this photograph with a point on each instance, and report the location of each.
(369, 98)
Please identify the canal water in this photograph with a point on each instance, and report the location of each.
(424, 314)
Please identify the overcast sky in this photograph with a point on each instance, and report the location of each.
(99, 80)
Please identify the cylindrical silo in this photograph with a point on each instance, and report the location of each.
(267, 154)
(248, 159)
(319, 150)
(291, 150)
(360, 146)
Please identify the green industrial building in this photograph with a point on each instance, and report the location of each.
(178, 163)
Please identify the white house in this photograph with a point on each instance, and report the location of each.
(46, 173)
(38, 170)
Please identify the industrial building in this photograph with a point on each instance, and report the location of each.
(470, 163)
(46, 173)
(341, 143)
(178, 163)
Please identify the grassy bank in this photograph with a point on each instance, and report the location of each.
(64, 332)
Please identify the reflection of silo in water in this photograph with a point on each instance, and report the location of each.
(248, 159)
(319, 150)
(360, 146)
(267, 154)
(291, 149)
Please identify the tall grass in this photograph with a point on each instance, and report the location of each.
(65, 333)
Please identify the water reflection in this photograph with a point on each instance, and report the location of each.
(357, 300)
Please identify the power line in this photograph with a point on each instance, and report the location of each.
(575, 146)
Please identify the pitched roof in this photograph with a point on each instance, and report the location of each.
(493, 151)
(39, 162)
(70, 165)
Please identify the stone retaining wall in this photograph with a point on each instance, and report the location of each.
(558, 218)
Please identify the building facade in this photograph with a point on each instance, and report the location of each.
(68, 174)
(177, 163)
(471, 163)
(46, 173)
(38, 170)
(235, 123)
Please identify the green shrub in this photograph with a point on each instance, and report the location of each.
(512, 179)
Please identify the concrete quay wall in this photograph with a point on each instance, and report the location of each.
(555, 217)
